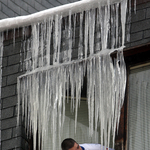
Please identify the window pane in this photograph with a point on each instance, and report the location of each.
(139, 109)
(82, 131)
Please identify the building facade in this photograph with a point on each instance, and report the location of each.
(136, 56)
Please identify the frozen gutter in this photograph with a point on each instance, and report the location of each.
(100, 53)
(63, 10)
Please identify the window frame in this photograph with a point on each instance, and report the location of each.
(135, 56)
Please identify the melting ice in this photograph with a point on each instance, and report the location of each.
(56, 61)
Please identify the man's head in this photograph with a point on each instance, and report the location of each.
(70, 144)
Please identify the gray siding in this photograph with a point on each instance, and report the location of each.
(13, 8)
(11, 136)
(140, 26)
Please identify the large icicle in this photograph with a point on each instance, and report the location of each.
(43, 88)
(57, 61)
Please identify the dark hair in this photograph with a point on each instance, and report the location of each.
(67, 143)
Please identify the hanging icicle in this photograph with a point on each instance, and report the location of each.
(57, 61)
(47, 83)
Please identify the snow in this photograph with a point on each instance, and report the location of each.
(79, 6)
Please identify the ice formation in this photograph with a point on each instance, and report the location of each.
(56, 62)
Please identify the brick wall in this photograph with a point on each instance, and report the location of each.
(11, 136)
(13, 8)
(140, 25)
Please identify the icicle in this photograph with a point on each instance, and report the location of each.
(74, 28)
(21, 57)
(19, 100)
(64, 97)
(123, 19)
(86, 32)
(135, 6)
(41, 46)
(48, 46)
(35, 45)
(104, 19)
(117, 23)
(59, 38)
(113, 20)
(97, 92)
(55, 37)
(70, 37)
(88, 97)
(91, 30)
(92, 83)
(43, 89)
(60, 104)
(97, 32)
(129, 21)
(80, 49)
(78, 86)
(72, 84)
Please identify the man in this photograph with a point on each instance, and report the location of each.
(71, 144)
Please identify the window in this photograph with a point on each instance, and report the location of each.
(82, 130)
(139, 108)
(138, 64)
